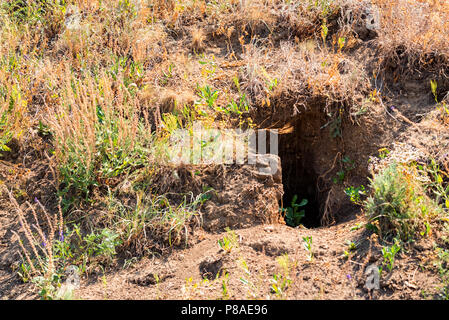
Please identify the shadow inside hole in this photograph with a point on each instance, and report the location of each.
(298, 176)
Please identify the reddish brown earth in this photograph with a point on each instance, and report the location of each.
(248, 202)
(329, 276)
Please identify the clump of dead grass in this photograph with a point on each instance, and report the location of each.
(197, 40)
(305, 73)
(40, 262)
(413, 35)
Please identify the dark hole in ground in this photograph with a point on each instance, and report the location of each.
(210, 268)
(298, 175)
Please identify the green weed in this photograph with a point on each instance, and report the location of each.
(293, 215)
(308, 247)
(399, 203)
(228, 242)
(281, 281)
(389, 254)
(355, 193)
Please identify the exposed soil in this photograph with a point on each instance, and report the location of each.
(329, 276)
(314, 150)
(248, 202)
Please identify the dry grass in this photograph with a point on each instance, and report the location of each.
(412, 38)
(417, 26)
(100, 130)
(197, 40)
(111, 80)
(125, 60)
(38, 251)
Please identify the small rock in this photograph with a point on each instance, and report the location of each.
(269, 228)
(410, 285)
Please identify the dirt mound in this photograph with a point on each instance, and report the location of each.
(240, 195)
(247, 198)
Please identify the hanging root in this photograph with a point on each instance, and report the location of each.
(328, 218)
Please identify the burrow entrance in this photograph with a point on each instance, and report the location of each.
(304, 147)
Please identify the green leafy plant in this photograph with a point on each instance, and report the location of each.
(433, 87)
(340, 177)
(31, 12)
(228, 242)
(308, 246)
(281, 281)
(209, 66)
(325, 7)
(271, 83)
(389, 254)
(341, 43)
(47, 286)
(248, 280)
(13, 110)
(102, 244)
(43, 129)
(442, 264)
(346, 166)
(4, 140)
(352, 246)
(399, 204)
(237, 107)
(225, 286)
(383, 153)
(357, 226)
(207, 95)
(324, 32)
(354, 193)
(293, 215)
(436, 183)
(167, 75)
(335, 127)
(156, 217)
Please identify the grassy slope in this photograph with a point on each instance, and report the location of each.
(91, 93)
